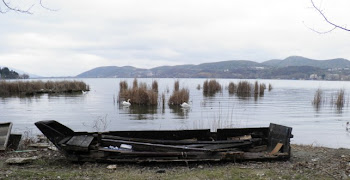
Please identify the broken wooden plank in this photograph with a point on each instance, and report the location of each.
(178, 142)
(5, 130)
(140, 146)
(14, 141)
(81, 142)
(276, 149)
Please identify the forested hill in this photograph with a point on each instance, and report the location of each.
(293, 67)
(6, 73)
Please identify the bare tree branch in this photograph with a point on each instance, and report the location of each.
(9, 7)
(335, 26)
(41, 4)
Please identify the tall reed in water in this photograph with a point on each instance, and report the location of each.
(211, 87)
(37, 87)
(179, 96)
(140, 93)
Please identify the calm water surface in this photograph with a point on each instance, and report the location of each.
(289, 103)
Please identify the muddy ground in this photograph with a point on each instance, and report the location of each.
(307, 162)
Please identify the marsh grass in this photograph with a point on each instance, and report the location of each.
(231, 88)
(155, 86)
(244, 89)
(256, 88)
(179, 96)
(37, 87)
(211, 87)
(140, 93)
(318, 98)
(340, 99)
(262, 88)
(176, 85)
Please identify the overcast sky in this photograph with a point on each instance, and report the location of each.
(84, 34)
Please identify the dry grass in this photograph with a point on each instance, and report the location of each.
(140, 93)
(179, 96)
(37, 87)
(211, 87)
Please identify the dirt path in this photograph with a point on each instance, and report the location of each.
(307, 162)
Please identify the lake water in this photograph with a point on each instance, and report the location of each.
(289, 103)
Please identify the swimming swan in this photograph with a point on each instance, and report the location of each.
(126, 103)
(185, 105)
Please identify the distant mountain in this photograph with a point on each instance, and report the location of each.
(113, 71)
(293, 67)
(302, 61)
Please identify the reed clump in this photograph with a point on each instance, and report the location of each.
(318, 98)
(37, 87)
(176, 85)
(340, 99)
(244, 88)
(262, 88)
(256, 88)
(140, 93)
(270, 87)
(179, 95)
(211, 87)
(232, 88)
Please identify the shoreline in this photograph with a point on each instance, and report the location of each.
(307, 161)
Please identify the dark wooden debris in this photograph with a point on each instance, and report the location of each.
(5, 130)
(164, 146)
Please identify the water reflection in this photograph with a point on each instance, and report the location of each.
(180, 111)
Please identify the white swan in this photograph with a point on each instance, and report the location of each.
(126, 103)
(185, 105)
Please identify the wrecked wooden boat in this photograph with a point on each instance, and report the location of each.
(237, 144)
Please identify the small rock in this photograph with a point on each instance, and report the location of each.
(112, 167)
(20, 160)
(314, 160)
(200, 167)
(53, 148)
(161, 171)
